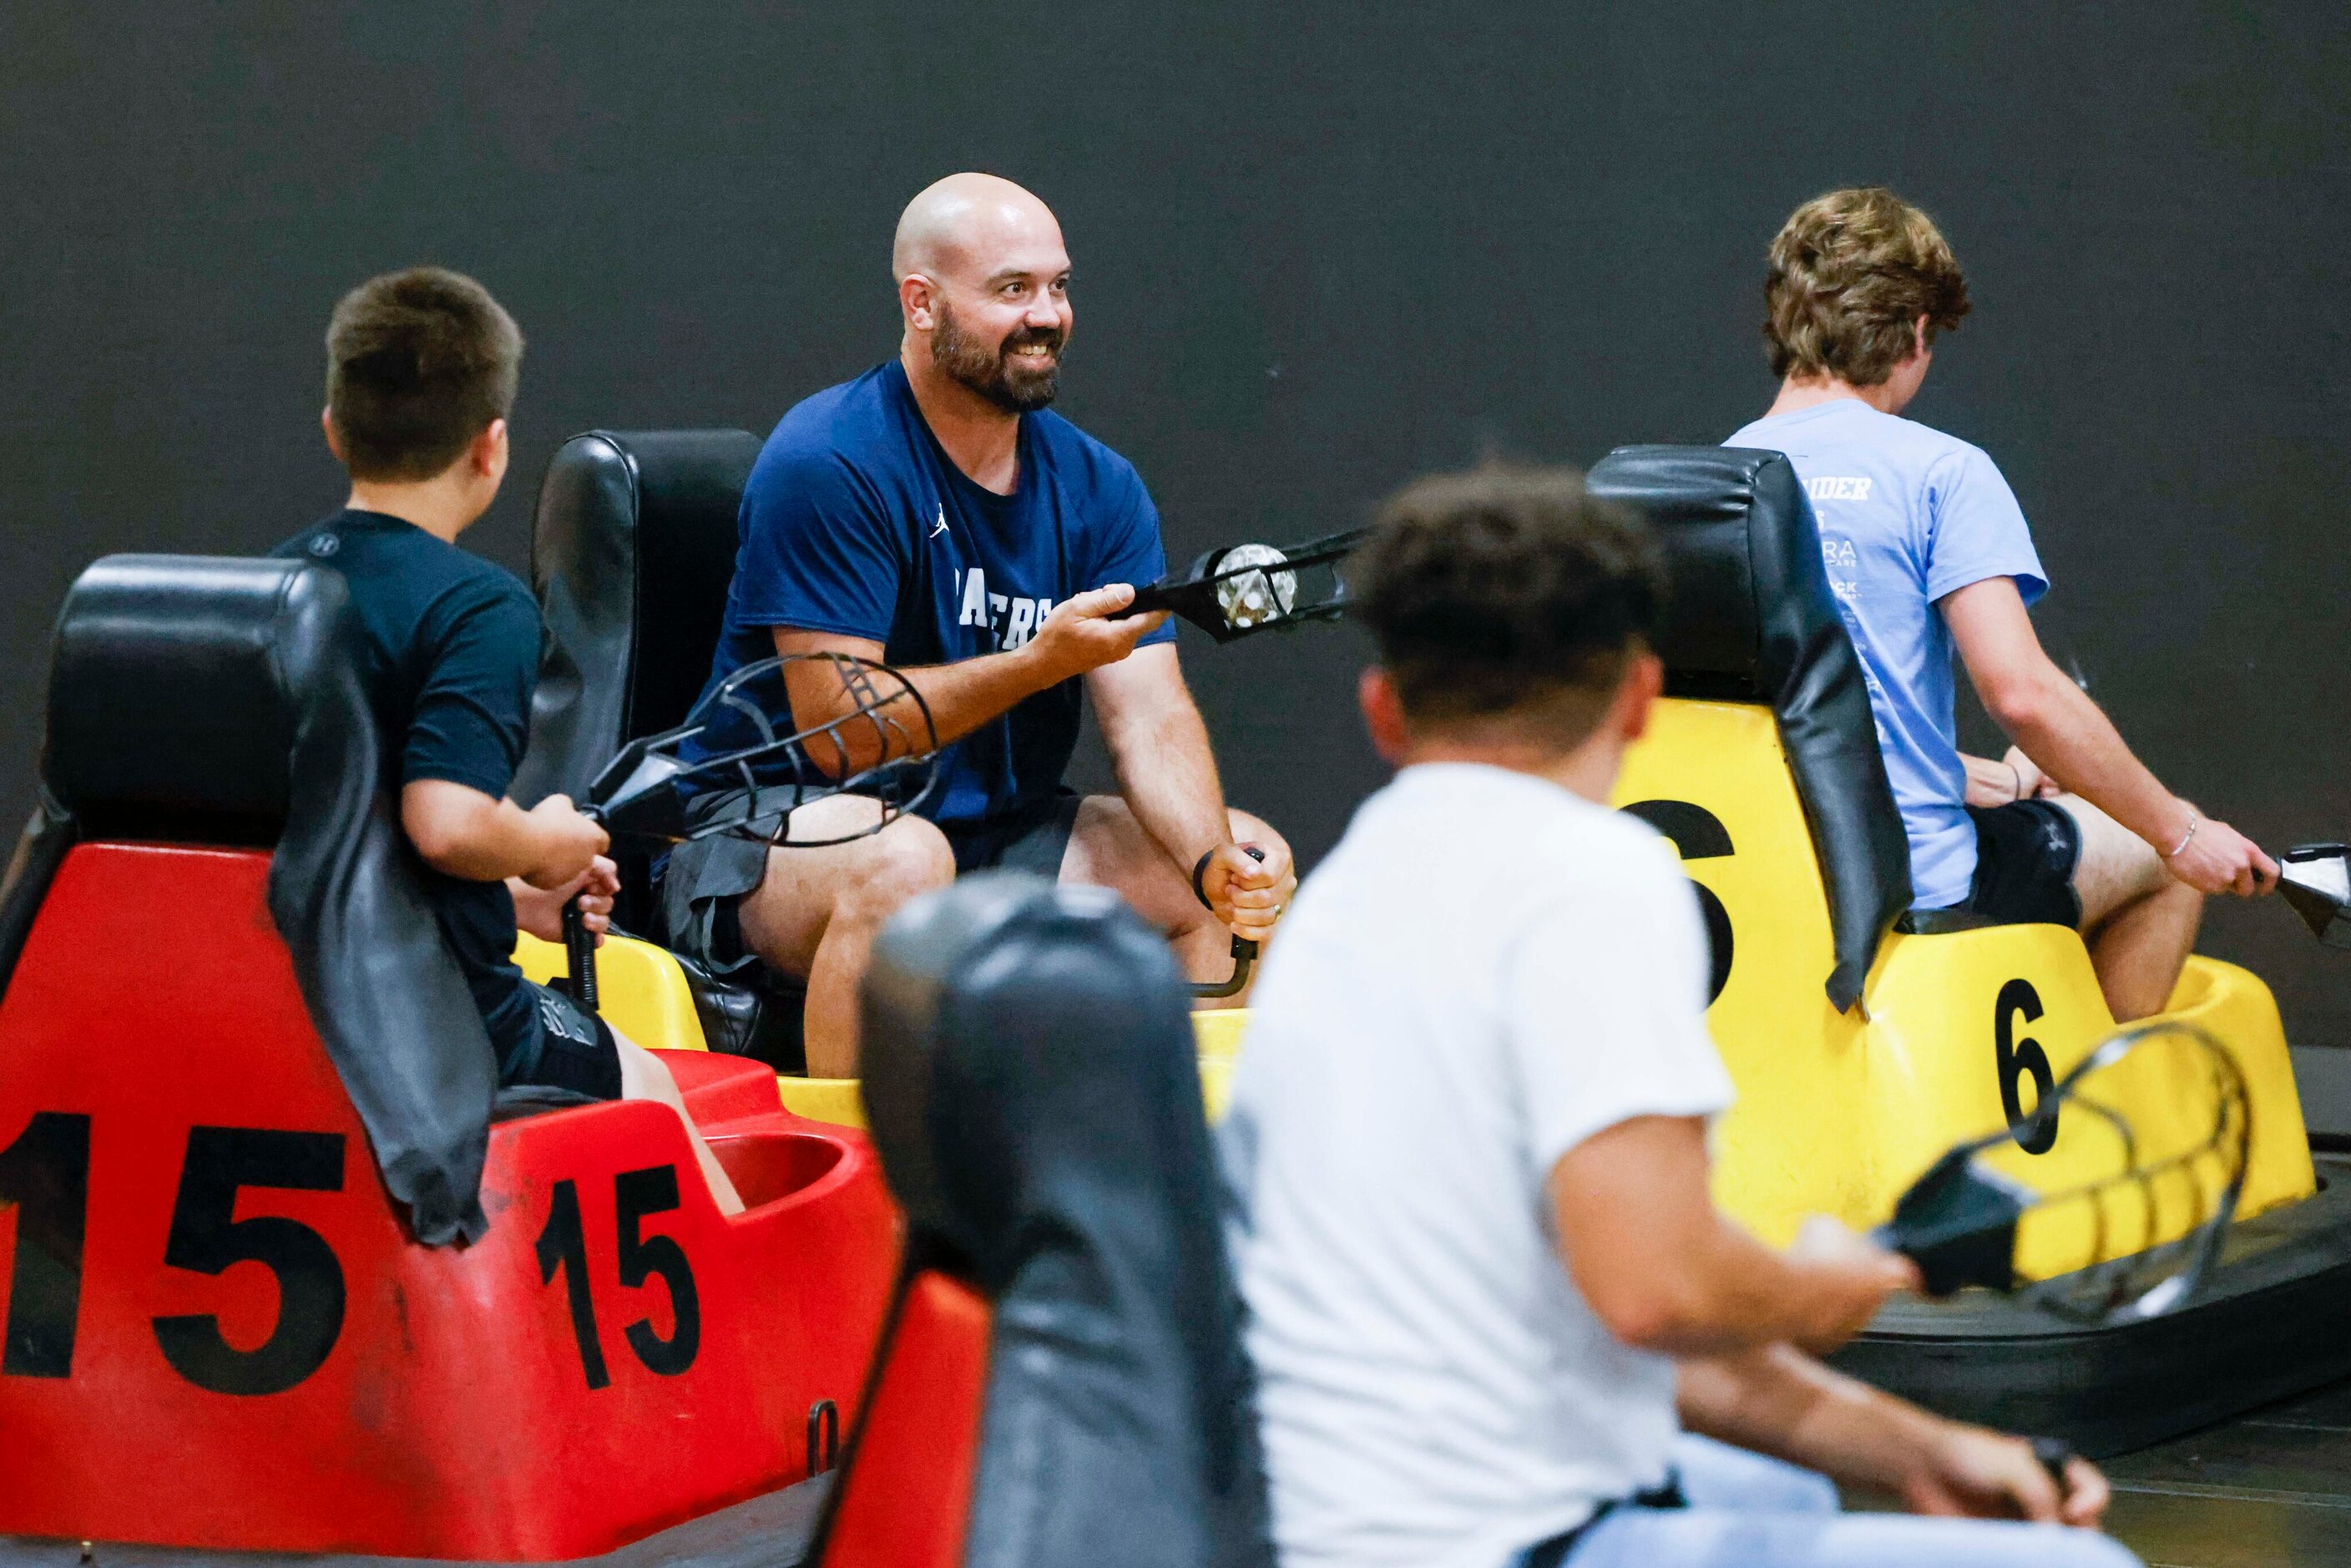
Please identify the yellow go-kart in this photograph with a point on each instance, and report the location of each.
(1864, 1040)
(2145, 1205)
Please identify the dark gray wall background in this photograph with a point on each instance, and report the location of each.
(1319, 249)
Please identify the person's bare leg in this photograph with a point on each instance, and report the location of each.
(644, 1076)
(819, 910)
(2141, 949)
(1108, 848)
(2139, 922)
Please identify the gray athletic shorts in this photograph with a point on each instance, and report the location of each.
(702, 884)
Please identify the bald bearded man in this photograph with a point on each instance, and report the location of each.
(931, 514)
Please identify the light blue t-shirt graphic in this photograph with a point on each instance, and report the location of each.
(1906, 516)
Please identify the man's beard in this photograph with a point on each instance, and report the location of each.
(998, 374)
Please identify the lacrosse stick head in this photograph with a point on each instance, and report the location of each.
(1241, 590)
(2124, 1214)
(2315, 879)
(741, 737)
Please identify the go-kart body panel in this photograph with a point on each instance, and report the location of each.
(644, 993)
(1219, 1031)
(1961, 1023)
(1956, 1034)
(219, 1334)
(906, 1497)
(1712, 778)
(641, 990)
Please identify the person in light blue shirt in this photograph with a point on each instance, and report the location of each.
(1928, 552)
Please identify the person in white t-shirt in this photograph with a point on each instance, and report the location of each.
(1466, 1159)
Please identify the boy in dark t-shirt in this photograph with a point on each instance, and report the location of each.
(422, 370)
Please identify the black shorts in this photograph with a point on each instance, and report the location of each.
(577, 1050)
(703, 883)
(2026, 853)
(1031, 841)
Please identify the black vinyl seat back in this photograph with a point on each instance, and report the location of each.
(217, 702)
(1031, 1081)
(1751, 618)
(174, 695)
(630, 557)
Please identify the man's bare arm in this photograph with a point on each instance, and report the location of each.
(1075, 638)
(2057, 725)
(1781, 1402)
(1663, 1269)
(1167, 773)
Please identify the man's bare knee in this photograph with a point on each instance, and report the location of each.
(809, 890)
(909, 857)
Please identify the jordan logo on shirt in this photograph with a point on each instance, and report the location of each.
(942, 525)
(1011, 619)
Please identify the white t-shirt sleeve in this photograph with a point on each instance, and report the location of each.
(1603, 1008)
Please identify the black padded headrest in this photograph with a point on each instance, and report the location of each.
(1751, 618)
(1030, 1077)
(1736, 527)
(177, 686)
(630, 557)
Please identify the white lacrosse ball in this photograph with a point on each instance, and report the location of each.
(1253, 598)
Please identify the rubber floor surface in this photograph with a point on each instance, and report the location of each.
(2272, 1488)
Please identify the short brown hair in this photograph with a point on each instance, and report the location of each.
(418, 363)
(1509, 594)
(1850, 272)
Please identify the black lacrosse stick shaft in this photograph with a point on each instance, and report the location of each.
(580, 952)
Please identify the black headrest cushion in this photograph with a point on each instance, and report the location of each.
(1019, 1035)
(176, 688)
(631, 555)
(1732, 522)
(1031, 1081)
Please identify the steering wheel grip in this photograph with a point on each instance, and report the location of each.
(1244, 950)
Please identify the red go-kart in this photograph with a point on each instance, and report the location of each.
(286, 1273)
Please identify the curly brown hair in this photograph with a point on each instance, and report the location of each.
(1508, 594)
(418, 363)
(1850, 272)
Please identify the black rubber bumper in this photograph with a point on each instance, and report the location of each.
(770, 1531)
(2273, 1319)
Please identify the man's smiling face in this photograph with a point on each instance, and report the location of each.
(1004, 318)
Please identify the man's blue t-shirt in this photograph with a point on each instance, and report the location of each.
(1906, 516)
(855, 521)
